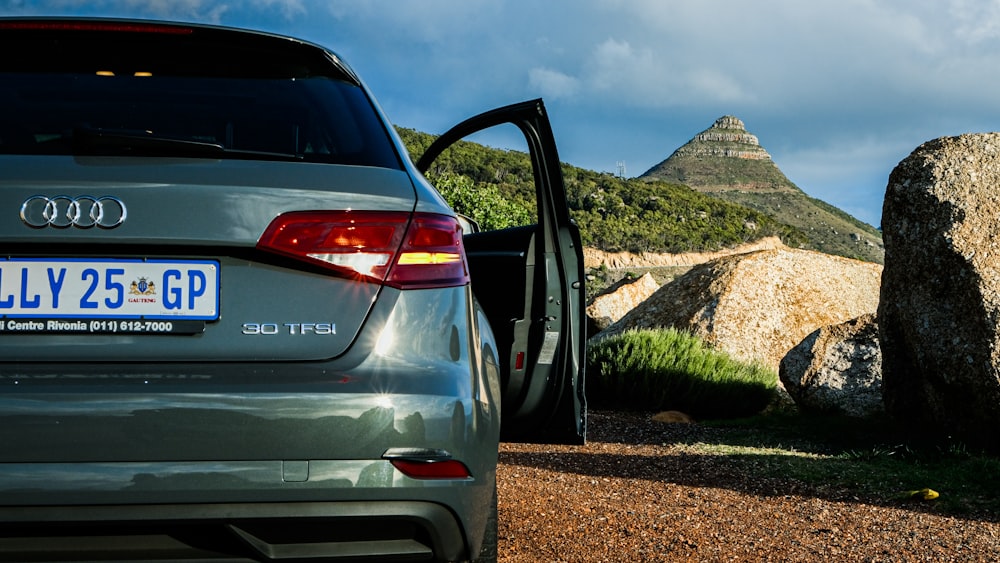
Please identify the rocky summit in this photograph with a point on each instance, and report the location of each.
(723, 157)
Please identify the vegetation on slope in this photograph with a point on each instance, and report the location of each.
(711, 172)
(827, 228)
(484, 203)
(613, 214)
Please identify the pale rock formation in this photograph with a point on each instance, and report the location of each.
(594, 258)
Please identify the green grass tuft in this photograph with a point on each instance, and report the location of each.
(667, 369)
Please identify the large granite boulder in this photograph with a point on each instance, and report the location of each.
(757, 306)
(837, 369)
(939, 317)
(618, 300)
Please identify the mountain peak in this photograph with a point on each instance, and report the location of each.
(723, 157)
(729, 122)
(728, 137)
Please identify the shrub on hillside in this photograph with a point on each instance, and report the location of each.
(483, 203)
(667, 369)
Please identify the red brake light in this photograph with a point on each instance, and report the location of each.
(395, 248)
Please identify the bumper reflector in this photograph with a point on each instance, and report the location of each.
(419, 463)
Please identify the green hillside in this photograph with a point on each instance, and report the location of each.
(614, 214)
(711, 173)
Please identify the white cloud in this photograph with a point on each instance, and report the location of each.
(208, 11)
(552, 84)
(651, 78)
(717, 86)
(427, 21)
(770, 52)
(198, 10)
(975, 20)
(615, 64)
(288, 8)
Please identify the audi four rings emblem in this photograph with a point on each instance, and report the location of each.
(63, 211)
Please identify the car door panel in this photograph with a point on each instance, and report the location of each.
(529, 281)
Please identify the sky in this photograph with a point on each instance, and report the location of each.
(837, 91)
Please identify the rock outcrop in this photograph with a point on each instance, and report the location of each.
(615, 303)
(939, 317)
(723, 157)
(757, 306)
(594, 258)
(837, 369)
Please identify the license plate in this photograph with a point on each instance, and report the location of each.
(52, 288)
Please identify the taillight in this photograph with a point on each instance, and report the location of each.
(406, 251)
(432, 254)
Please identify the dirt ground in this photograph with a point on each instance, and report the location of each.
(632, 493)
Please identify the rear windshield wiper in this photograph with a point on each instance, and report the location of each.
(91, 140)
(135, 139)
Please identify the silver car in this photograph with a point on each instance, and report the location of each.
(237, 322)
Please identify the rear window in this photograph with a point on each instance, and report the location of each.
(197, 92)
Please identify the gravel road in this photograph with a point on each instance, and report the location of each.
(636, 493)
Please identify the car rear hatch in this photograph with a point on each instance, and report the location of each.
(155, 182)
(137, 259)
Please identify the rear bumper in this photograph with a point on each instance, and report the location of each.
(256, 460)
(374, 531)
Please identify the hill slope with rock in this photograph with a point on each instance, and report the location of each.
(728, 162)
(758, 306)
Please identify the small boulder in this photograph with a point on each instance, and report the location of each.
(837, 369)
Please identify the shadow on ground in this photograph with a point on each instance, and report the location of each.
(830, 459)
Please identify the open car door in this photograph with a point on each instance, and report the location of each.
(530, 283)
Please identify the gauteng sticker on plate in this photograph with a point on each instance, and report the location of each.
(128, 295)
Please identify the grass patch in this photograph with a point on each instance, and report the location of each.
(784, 451)
(667, 369)
(872, 460)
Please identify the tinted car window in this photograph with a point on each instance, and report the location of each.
(82, 94)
